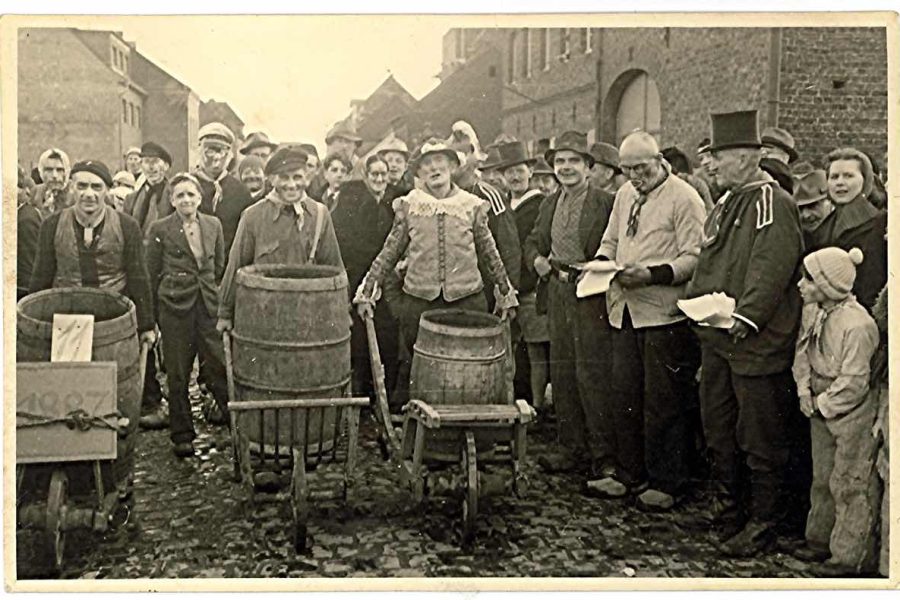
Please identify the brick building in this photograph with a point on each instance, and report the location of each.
(93, 94)
(375, 116)
(827, 86)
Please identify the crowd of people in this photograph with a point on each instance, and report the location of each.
(781, 411)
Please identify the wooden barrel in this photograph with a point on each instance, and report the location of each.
(115, 339)
(459, 358)
(291, 339)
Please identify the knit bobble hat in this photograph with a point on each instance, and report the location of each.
(833, 270)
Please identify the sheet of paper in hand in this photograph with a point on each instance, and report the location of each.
(72, 338)
(710, 310)
(597, 276)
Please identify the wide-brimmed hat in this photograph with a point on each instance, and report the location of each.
(542, 168)
(216, 131)
(574, 141)
(513, 153)
(257, 140)
(802, 169)
(810, 188)
(606, 154)
(343, 130)
(780, 138)
(395, 145)
(433, 146)
(738, 129)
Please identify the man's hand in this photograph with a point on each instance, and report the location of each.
(223, 325)
(148, 337)
(633, 276)
(365, 310)
(807, 406)
(542, 266)
(738, 331)
(506, 313)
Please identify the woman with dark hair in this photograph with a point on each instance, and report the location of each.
(855, 222)
(361, 224)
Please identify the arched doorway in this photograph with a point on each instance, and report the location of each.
(631, 103)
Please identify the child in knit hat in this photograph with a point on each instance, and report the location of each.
(831, 367)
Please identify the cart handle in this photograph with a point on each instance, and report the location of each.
(381, 405)
(142, 365)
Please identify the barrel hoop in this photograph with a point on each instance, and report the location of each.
(289, 345)
(466, 359)
(265, 387)
(252, 279)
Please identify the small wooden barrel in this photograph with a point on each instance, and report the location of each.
(291, 339)
(115, 339)
(459, 358)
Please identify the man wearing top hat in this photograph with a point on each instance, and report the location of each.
(606, 167)
(777, 153)
(751, 252)
(287, 226)
(567, 232)
(223, 195)
(90, 244)
(257, 144)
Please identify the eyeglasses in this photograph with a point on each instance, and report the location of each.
(378, 174)
(637, 167)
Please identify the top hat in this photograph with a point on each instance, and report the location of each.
(574, 141)
(257, 140)
(810, 188)
(735, 130)
(513, 153)
(345, 131)
(779, 138)
(606, 154)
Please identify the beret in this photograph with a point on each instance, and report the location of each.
(154, 150)
(93, 166)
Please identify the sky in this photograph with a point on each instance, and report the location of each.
(291, 77)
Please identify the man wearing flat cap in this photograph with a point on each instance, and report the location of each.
(257, 144)
(777, 153)
(567, 232)
(90, 244)
(151, 201)
(223, 195)
(286, 227)
(606, 167)
(751, 252)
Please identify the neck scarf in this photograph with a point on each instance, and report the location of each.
(217, 196)
(89, 224)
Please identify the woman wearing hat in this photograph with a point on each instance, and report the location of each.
(443, 231)
(854, 223)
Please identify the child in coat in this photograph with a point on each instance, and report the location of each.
(831, 367)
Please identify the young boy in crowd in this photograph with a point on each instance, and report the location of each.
(831, 367)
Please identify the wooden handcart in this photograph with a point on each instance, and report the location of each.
(278, 443)
(477, 435)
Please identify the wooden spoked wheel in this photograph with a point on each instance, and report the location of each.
(470, 501)
(56, 509)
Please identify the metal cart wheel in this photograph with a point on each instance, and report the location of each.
(56, 509)
(299, 505)
(470, 501)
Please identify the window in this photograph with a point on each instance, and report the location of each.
(511, 58)
(124, 111)
(553, 120)
(134, 116)
(544, 48)
(534, 123)
(526, 54)
(564, 43)
(137, 121)
(125, 63)
(574, 112)
(586, 40)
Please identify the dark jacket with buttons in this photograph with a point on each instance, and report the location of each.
(176, 279)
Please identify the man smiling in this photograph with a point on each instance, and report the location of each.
(287, 226)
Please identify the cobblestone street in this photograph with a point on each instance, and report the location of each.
(189, 522)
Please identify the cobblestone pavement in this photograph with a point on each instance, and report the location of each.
(189, 522)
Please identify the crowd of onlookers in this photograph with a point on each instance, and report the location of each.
(779, 403)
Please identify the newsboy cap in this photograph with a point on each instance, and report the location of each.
(95, 167)
(286, 159)
(216, 131)
(154, 150)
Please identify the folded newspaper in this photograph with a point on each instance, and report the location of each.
(711, 310)
(596, 277)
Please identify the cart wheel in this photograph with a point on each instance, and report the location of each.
(56, 508)
(299, 534)
(470, 502)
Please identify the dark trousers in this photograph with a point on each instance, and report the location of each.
(745, 420)
(152, 390)
(580, 363)
(184, 337)
(387, 331)
(652, 380)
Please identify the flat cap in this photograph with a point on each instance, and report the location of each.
(216, 131)
(286, 159)
(154, 150)
(95, 167)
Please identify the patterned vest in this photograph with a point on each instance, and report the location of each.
(109, 253)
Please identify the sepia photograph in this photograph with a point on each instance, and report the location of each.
(558, 301)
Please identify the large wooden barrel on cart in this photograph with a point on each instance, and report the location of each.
(459, 358)
(115, 340)
(291, 339)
